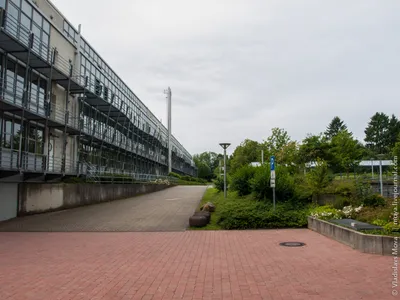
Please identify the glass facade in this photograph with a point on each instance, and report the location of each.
(132, 139)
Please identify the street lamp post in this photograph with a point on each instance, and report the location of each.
(380, 156)
(224, 146)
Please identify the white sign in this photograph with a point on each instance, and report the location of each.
(272, 182)
(273, 174)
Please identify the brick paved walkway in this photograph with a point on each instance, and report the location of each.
(188, 265)
(167, 210)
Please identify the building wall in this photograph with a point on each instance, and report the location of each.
(8, 200)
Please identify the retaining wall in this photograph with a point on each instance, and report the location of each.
(38, 197)
(367, 243)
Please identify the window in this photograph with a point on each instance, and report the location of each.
(16, 2)
(13, 12)
(25, 21)
(37, 18)
(27, 8)
(46, 26)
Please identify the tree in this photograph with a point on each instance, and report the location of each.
(319, 178)
(377, 133)
(203, 171)
(313, 147)
(394, 131)
(346, 151)
(334, 127)
(278, 139)
(396, 149)
(206, 163)
(248, 151)
(288, 156)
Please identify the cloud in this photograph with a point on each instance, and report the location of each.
(239, 68)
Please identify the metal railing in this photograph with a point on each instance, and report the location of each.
(10, 160)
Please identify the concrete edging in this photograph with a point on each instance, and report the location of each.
(366, 243)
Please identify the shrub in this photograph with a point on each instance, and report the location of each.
(326, 213)
(370, 214)
(285, 184)
(302, 193)
(241, 180)
(391, 227)
(175, 175)
(260, 184)
(379, 222)
(351, 212)
(374, 200)
(250, 214)
(341, 202)
(219, 183)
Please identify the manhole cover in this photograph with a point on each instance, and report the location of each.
(292, 244)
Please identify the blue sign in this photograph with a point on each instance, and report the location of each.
(272, 163)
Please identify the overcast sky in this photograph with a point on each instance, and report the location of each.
(239, 68)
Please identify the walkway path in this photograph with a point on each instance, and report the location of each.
(167, 210)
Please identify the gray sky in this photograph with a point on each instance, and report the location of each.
(239, 68)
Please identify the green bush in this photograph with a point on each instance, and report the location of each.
(241, 180)
(250, 214)
(175, 175)
(219, 183)
(260, 184)
(341, 202)
(326, 213)
(285, 184)
(374, 200)
(302, 192)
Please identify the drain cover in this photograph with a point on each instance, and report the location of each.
(292, 244)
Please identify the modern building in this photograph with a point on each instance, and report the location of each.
(64, 111)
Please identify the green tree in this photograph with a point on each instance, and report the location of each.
(313, 147)
(394, 131)
(277, 140)
(396, 149)
(319, 178)
(377, 133)
(346, 151)
(203, 171)
(334, 127)
(248, 151)
(288, 156)
(206, 163)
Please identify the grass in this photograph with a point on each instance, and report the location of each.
(185, 182)
(211, 195)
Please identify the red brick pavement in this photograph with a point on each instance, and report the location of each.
(188, 265)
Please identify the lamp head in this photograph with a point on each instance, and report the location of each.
(224, 145)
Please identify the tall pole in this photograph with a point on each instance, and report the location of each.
(224, 146)
(224, 172)
(372, 168)
(262, 157)
(380, 176)
(169, 95)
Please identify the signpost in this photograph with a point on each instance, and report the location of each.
(272, 167)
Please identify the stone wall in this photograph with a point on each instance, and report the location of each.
(38, 197)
